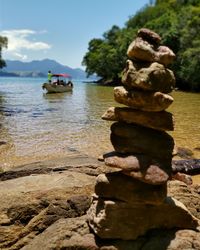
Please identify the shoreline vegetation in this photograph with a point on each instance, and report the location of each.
(118, 82)
(102, 82)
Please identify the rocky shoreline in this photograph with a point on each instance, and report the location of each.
(43, 206)
(35, 196)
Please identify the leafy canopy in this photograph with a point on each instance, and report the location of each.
(176, 21)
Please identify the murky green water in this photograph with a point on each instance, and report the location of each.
(36, 126)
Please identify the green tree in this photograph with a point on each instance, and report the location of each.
(104, 56)
(189, 68)
(3, 44)
(188, 62)
(176, 21)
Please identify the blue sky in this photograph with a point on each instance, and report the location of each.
(59, 29)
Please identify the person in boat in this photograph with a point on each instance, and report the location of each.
(49, 75)
(62, 82)
(70, 84)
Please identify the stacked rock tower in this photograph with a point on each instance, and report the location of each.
(129, 202)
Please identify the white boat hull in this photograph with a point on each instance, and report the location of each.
(53, 88)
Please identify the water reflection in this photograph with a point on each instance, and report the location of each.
(56, 96)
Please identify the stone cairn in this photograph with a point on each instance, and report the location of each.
(132, 199)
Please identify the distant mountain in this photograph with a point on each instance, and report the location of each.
(40, 68)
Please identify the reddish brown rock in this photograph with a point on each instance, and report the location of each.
(129, 138)
(157, 120)
(183, 177)
(154, 175)
(143, 100)
(152, 77)
(141, 167)
(149, 35)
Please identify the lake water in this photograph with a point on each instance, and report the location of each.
(36, 126)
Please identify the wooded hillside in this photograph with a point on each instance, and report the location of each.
(176, 21)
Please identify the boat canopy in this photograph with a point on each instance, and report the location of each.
(62, 75)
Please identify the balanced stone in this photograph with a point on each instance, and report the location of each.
(149, 35)
(125, 145)
(112, 219)
(142, 50)
(117, 186)
(162, 120)
(129, 138)
(153, 76)
(141, 167)
(143, 100)
(164, 55)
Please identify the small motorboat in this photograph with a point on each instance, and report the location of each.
(58, 84)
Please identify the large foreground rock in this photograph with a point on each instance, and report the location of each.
(75, 234)
(113, 219)
(35, 196)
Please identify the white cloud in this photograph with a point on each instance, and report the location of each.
(19, 43)
(20, 56)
